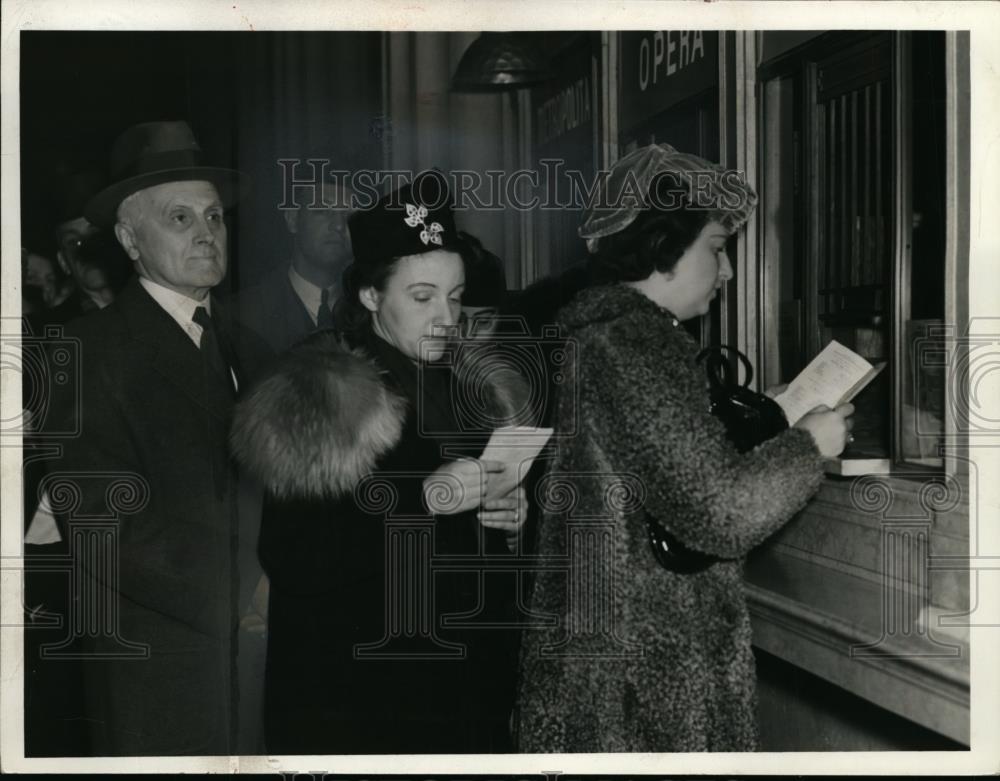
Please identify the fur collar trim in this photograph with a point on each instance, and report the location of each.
(318, 422)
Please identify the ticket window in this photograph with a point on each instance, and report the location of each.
(853, 228)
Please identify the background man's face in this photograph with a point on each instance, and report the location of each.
(179, 234)
(321, 233)
(69, 235)
(479, 321)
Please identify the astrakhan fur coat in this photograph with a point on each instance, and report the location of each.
(643, 659)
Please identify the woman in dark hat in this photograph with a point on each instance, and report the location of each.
(360, 446)
(670, 669)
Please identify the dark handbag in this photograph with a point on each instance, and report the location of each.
(749, 417)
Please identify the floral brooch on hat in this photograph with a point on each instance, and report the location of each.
(430, 234)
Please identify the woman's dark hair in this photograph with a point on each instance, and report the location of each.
(485, 281)
(349, 314)
(655, 240)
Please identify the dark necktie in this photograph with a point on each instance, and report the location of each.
(324, 318)
(211, 350)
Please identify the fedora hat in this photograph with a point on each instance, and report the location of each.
(155, 153)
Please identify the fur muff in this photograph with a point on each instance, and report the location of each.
(318, 422)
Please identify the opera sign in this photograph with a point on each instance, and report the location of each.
(670, 51)
(662, 67)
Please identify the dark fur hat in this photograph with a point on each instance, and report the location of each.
(414, 219)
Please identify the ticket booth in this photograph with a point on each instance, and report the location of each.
(860, 151)
(858, 146)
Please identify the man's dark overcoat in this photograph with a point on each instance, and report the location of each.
(151, 464)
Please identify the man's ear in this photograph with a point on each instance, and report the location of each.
(292, 220)
(369, 298)
(126, 237)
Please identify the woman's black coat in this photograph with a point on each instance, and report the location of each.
(345, 440)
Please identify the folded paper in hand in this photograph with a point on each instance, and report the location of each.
(516, 447)
(832, 378)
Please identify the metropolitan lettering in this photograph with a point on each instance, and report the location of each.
(566, 110)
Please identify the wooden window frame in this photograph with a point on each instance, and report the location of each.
(756, 320)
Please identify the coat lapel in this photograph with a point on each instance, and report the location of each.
(171, 352)
(298, 323)
(428, 391)
(225, 327)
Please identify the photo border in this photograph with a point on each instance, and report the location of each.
(982, 19)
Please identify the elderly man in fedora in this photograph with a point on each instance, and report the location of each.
(158, 380)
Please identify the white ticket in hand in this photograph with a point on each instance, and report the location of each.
(516, 447)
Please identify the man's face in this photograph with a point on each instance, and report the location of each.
(479, 322)
(69, 235)
(176, 236)
(321, 235)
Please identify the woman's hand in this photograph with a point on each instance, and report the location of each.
(829, 428)
(507, 512)
(459, 486)
(776, 390)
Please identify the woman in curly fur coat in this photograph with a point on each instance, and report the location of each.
(365, 655)
(650, 659)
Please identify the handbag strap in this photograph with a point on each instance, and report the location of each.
(720, 370)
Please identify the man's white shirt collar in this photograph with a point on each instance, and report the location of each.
(309, 294)
(178, 306)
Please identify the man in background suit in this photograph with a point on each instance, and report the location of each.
(158, 381)
(297, 297)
